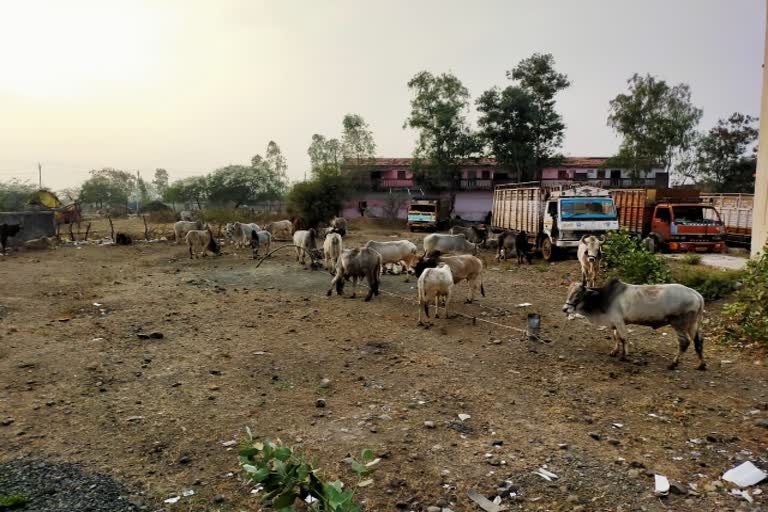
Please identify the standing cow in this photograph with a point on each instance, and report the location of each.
(6, 231)
(517, 243)
(200, 242)
(589, 254)
(332, 248)
(357, 264)
(306, 245)
(182, 227)
(448, 243)
(280, 230)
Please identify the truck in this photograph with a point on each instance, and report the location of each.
(736, 213)
(430, 214)
(670, 219)
(553, 218)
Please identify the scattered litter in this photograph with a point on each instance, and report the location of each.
(745, 475)
(546, 475)
(677, 458)
(524, 305)
(97, 304)
(188, 492)
(602, 328)
(665, 334)
(229, 443)
(310, 499)
(743, 494)
(97, 339)
(484, 503)
(618, 425)
(260, 353)
(661, 485)
(726, 361)
(257, 490)
(464, 417)
(172, 500)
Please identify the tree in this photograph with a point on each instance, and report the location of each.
(726, 154)
(537, 77)
(319, 199)
(14, 194)
(357, 139)
(325, 156)
(438, 112)
(506, 127)
(655, 120)
(160, 181)
(193, 190)
(102, 191)
(277, 169)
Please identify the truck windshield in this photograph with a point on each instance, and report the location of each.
(587, 208)
(426, 208)
(696, 214)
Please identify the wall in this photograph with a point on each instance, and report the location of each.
(474, 205)
(760, 211)
(33, 225)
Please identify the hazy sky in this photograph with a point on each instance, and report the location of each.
(195, 85)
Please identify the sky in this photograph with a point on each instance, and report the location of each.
(191, 85)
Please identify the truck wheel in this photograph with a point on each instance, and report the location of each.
(413, 229)
(548, 251)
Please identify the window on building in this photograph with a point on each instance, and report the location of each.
(486, 175)
(401, 175)
(562, 174)
(580, 176)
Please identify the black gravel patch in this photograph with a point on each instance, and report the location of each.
(64, 487)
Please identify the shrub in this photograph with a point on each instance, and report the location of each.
(318, 200)
(747, 318)
(155, 206)
(12, 501)
(286, 475)
(625, 258)
(710, 283)
(226, 215)
(691, 259)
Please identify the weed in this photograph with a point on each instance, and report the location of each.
(691, 258)
(11, 501)
(625, 258)
(712, 284)
(747, 318)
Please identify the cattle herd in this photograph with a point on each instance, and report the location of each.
(448, 259)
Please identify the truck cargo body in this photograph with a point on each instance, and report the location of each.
(554, 219)
(429, 214)
(735, 212)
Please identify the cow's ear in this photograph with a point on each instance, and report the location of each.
(591, 292)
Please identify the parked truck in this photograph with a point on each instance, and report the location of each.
(736, 213)
(554, 219)
(429, 214)
(670, 219)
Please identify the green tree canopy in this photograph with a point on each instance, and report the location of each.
(726, 154)
(160, 181)
(325, 155)
(319, 199)
(102, 190)
(357, 139)
(14, 194)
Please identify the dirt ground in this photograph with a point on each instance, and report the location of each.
(249, 347)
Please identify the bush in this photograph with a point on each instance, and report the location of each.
(318, 200)
(710, 283)
(747, 318)
(227, 215)
(691, 259)
(155, 206)
(625, 258)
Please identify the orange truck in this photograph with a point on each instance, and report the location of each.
(670, 219)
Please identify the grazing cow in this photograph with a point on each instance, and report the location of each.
(463, 267)
(182, 227)
(241, 233)
(617, 305)
(260, 239)
(123, 239)
(589, 255)
(7, 231)
(340, 224)
(517, 243)
(395, 252)
(448, 243)
(435, 283)
(37, 244)
(280, 230)
(357, 264)
(200, 241)
(306, 245)
(472, 233)
(332, 247)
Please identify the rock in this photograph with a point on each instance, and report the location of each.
(595, 436)
(613, 441)
(677, 488)
(219, 499)
(185, 459)
(445, 472)
(143, 336)
(325, 383)
(7, 421)
(434, 509)
(563, 446)
(214, 372)
(572, 499)
(633, 473)
(133, 419)
(156, 335)
(762, 423)
(429, 424)
(497, 443)
(320, 402)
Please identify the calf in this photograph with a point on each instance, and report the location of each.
(435, 283)
(589, 254)
(448, 243)
(463, 267)
(200, 241)
(395, 252)
(471, 233)
(7, 231)
(618, 304)
(260, 239)
(510, 242)
(182, 227)
(306, 245)
(332, 247)
(357, 264)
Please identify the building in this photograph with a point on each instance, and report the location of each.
(386, 185)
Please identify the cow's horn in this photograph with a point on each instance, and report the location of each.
(601, 238)
(583, 237)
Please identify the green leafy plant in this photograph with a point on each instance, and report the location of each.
(625, 258)
(12, 501)
(285, 475)
(712, 284)
(747, 318)
(691, 259)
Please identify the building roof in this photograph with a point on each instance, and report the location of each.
(585, 162)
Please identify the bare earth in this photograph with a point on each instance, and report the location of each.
(248, 347)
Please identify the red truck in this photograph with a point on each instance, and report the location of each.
(671, 219)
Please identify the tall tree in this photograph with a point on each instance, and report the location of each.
(189, 191)
(325, 156)
(357, 139)
(101, 191)
(439, 104)
(277, 169)
(537, 76)
(726, 154)
(160, 181)
(655, 120)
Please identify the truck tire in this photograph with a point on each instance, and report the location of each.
(413, 229)
(548, 250)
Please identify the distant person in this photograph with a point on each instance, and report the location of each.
(361, 206)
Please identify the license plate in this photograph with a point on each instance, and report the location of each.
(702, 249)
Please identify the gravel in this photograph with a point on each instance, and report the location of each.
(63, 487)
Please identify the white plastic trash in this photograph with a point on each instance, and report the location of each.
(745, 475)
(661, 485)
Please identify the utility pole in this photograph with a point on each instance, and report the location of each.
(760, 211)
(39, 175)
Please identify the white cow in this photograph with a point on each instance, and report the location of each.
(589, 254)
(201, 241)
(260, 239)
(617, 305)
(280, 230)
(306, 245)
(396, 252)
(448, 243)
(435, 283)
(332, 247)
(182, 227)
(240, 233)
